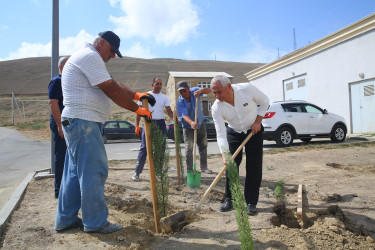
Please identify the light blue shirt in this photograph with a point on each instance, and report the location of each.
(188, 108)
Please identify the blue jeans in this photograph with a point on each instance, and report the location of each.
(85, 172)
(142, 155)
(60, 150)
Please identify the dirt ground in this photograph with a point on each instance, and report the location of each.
(339, 207)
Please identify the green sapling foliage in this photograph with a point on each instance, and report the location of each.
(239, 204)
(160, 155)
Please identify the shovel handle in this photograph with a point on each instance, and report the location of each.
(195, 135)
(213, 184)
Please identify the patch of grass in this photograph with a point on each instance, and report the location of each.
(320, 147)
(114, 162)
(6, 124)
(33, 125)
(219, 240)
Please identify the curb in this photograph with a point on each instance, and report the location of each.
(13, 201)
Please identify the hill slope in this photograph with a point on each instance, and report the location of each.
(30, 76)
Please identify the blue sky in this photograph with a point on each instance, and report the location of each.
(241, 31)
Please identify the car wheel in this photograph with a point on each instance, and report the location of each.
(338, 133)
(306, 139)
(104, 139)
(284, 137)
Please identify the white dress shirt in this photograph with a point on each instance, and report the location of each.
(249, 102)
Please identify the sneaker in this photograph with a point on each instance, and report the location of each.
(135, 177)
(108, 228)
(251, 209)
(207, 171)
(77, 224)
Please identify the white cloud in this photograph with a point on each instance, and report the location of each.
(70, 45)
(167, 22)
(136, 50)
(67, 46)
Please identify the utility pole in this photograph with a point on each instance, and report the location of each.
(294, 39)
(54, 61)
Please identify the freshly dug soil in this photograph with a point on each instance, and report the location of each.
(338, 207)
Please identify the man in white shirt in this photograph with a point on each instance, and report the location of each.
(243, 107)
(157, 117)
(88, 90)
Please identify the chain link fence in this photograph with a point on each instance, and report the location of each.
(14, 110)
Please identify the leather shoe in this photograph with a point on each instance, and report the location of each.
(227, 206)
(251, 209)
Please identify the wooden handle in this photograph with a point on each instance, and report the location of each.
(151, 167)
(195, 135)
(175, 124)
(213, 184)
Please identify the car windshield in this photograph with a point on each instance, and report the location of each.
(208, 119)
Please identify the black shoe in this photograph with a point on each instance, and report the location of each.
(251, 209)
(227, 206)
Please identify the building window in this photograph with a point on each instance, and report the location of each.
(289, 86)
(204, 84)
(369, 90)
(301, 83)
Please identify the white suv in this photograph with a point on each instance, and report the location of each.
(288, 120)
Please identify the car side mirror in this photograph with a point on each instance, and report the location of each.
(325, 111)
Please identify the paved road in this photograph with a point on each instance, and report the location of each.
(19, 156)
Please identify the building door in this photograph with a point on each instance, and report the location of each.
(362, 101)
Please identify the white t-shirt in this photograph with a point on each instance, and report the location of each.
(83, 99)
(158, 109)
(242, 115)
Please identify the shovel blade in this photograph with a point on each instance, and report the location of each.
(193, 179)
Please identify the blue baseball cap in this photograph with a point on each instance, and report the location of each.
(113, 40)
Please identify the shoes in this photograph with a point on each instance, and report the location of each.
(227, 206)
(251, 209)
(108, 228)
(77, 224)
(135, 177)
(207, 171)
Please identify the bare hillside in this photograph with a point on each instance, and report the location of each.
(30, 76)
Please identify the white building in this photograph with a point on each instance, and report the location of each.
(336, 72)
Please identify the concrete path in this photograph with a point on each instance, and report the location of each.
(18, 157)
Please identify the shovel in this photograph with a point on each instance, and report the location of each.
(177, 221)
(193, 176)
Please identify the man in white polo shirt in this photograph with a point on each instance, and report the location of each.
(243, 107)
(158, 118)
(88, 90)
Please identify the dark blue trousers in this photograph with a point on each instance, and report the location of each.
(254, 162)
(60, 150)
(142, 155)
